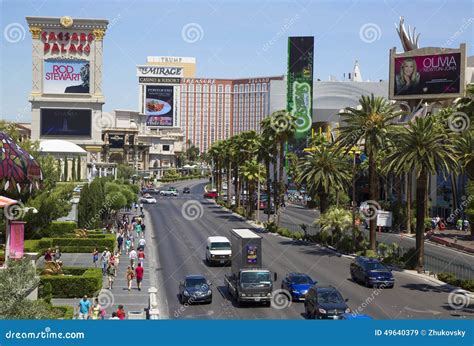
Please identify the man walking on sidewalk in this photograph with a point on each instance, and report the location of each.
(84, 308)
(133, 257)
(139, 275)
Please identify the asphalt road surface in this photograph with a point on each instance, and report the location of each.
(182, 224)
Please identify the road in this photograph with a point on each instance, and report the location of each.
(437, 257)
(180, 243)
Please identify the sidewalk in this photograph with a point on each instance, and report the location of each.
(453, 238)
(133, 300)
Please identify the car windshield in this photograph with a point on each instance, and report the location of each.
(327, 296)
(220, 246)
(300, 280)
(255, 277)
(375, 266)
(195, 283)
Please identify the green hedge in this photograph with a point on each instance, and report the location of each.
(58, 228)
(72, 245)
(74, 284)
(63, 312)
(451, 279)
(185, 177)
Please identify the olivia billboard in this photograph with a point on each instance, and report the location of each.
(421, 76)
(66, 76)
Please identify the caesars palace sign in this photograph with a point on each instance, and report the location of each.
(66, 42)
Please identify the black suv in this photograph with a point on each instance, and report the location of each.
(186, 190)
(325, 302)
(371, 272)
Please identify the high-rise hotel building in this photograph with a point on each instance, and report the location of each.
(216, 109)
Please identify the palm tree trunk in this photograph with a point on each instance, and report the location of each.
(229, 190)
(236, 183)
(323, 201)
(251, 209)
(281, 190)
(421, 184)
(409, 182)
(275, 186)
(454, 192)
(373, 196)
(269, 199)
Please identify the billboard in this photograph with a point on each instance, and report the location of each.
(159, 105)
(65, 122)
(427, 73)
(300, 88)
(66, 76)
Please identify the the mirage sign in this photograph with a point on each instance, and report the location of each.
(159, 71)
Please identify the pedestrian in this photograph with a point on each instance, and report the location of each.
(141, 243)
(141, 208)
(128, 245)
(120, 242)
(130, 276)
(96, 310)
(139, 275)
(459, 224)
(111, 275)
(466, 225)
(103, 262)
(143, 228)
(95, 256)
(84, 308)
(57, 254)
(121, 312)
(138, 229)
(141, 256)
(114, 316)
(133, 257)
(48, 257)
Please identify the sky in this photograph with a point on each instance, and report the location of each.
(229, 39)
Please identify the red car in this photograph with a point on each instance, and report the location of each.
(211, 194)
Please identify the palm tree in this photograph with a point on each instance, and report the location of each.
(324, 168)
(216, 153)
(285, 129)
(368, 125)
(335, 220)
(253, 172)
(423, 147)
(269, 135)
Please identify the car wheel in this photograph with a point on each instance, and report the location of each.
(353, 278)
(180, 298)
(308, 314)
(367, 282)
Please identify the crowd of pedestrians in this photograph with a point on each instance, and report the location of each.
(131, 242)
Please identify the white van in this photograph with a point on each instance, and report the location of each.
(218, 250)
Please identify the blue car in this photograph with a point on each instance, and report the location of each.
(371, 272)
(297, 284)
(349, 316)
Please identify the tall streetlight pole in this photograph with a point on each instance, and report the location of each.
(354, 151)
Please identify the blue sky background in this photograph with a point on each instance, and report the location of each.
(238, 38)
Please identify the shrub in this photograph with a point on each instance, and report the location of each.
(451, 279)
(72, 245)
(47, 292)
(58, 228)
(74, 284)
(297, 235)
(346, 244)
(270, 227)
(63, 312)
(370, 254)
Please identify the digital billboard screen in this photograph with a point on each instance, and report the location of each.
(66, 77)
(65, 122)
(159, 106)
(426, 76)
